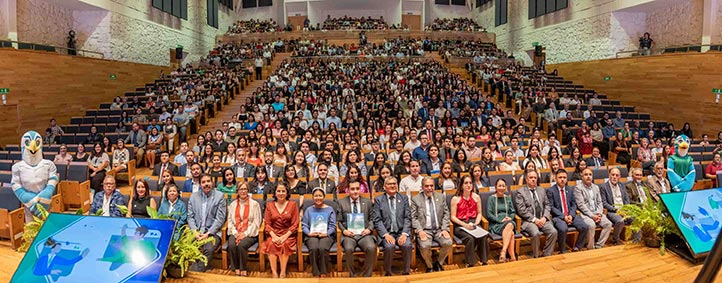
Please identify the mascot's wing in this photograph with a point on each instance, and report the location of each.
(674, 179)
(688, 182)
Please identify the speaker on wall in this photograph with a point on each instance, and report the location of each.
(179, 53)
(538, 50)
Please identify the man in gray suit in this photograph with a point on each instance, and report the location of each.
(274, 172)
(589, 202)
(534, 209)
(207, 214)
(614, 195)
(323, 181)
(354, 204)
(392, 219)
(138, 139)
(430, 219)
(242, 168)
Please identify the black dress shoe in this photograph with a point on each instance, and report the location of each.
(405, 273)
(429, 270)
(438, 267)
(388, 274)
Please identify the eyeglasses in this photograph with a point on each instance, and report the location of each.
(109, 184)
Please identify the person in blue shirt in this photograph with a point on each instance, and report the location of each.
(108, 200)
(608, 130)
(277, 104)
(422, 152)
(174, 207)
(319, 242)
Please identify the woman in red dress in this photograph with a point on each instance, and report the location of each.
(281, 226)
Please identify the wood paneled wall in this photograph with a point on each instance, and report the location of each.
(673, 87)
(296, 21)
(413, 21)
(46, 85)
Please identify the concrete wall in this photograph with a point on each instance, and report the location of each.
(43, 22)
(590, 30)
(434, 11)
(125, 30)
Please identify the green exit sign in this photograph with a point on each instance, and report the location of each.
(535, 43)
(714, 90)
(113, 76)
(607, 78)
(4, 90)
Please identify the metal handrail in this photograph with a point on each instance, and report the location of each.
(20, 45)
(661, 50)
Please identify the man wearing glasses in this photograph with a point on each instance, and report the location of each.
(107, 202)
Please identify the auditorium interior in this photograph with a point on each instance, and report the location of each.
(376, 140)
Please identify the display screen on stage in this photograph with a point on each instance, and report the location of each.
(698, 215)
(78, 248)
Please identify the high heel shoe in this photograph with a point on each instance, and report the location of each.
(502, 259)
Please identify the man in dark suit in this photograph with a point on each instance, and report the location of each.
(428, 130)
(193, 184)
(165, 165)
(614, 196)
(272, 171)
(242, 168)
(352, 238)
(286, 142)
(392, 219)
(596, 161)
(206, 214)
(432, 164)
(219, 145)
(534, 209)
(564, 212)
(323, 181)
(447, 151)
(430, 220)
(184, 170)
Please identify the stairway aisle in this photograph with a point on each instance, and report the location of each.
(234, 105)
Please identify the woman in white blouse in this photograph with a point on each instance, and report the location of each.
(121, 157)
(244, 218)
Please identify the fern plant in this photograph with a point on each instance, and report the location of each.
(31, 229)
(184, 249)
(650, 218)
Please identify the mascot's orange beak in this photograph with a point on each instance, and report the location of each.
(33, 147)
(683, 145)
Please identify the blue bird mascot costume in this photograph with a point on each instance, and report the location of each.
(680, 166)
(34, 179)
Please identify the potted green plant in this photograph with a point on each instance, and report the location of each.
(31, 229)
(184, 249)
(651, 220)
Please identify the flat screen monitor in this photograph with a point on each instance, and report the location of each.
(698, 215)
(79, 248)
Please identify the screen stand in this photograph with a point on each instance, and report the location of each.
(678, 246)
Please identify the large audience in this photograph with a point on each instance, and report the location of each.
(455, 24)
(353, 23)
(404, 132)
(254, 26)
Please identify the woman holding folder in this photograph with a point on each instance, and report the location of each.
(466, 215)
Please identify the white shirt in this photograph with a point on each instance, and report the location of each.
(409, 184)
(106, 205)
(617, 194)
(428, 213)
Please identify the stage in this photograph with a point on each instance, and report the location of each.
(611, 264)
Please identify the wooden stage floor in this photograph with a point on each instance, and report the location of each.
(612, 264)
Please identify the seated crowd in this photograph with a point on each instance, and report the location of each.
(376, 146)
(254, 26)
(455, 24)
(352, 23)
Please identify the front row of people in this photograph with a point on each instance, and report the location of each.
(396, 218)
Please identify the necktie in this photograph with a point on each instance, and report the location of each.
(323, 186)
(564, 202)
(428, 134)
(135, 136)
(537, 208)
(162, 169)
(596, 163)
(642, 195)
(269, 168)
(392, 207)
(432, 211)
(355, 208)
